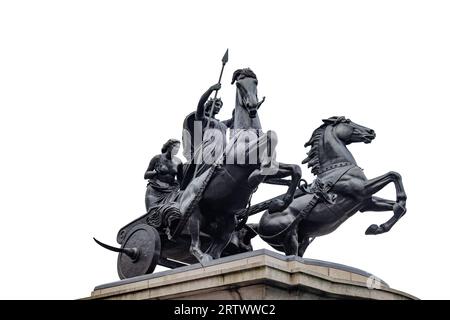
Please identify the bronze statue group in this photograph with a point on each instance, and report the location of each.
(198, 211)
(167, 175)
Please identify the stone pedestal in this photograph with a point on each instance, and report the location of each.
(260, 274)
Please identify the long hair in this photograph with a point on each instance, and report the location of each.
(169, 145)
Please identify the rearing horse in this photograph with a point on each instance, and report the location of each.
(338, 177)
(248, 160)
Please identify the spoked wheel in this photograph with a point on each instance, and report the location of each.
(139, 252)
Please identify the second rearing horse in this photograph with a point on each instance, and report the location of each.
(342, 181)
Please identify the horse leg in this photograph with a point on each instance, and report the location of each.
(194, 229)
(295, 245)
(399, 207)
(372, 186)
(304, 245)
(296, 174)
(377, 204)
(222, 238)
(380, 204)
(283, 170)
(265, 146)
(290, 243)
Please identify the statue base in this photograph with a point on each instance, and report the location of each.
(260, 274)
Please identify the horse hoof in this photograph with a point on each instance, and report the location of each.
(373, 229)
(206, 258)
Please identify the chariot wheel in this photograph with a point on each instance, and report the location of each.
(139, 252)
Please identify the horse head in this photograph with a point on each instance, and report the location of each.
(246, 91)
(328, 143)
(349, 131)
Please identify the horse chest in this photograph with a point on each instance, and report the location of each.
(228, 189)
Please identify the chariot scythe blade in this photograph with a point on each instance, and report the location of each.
(133, 253)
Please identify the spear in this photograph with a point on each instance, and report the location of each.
(224, 62)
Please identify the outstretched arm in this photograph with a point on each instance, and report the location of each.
(200, 113)
(151, 172)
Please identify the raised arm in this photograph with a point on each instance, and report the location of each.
(151, 172)
(200, 113)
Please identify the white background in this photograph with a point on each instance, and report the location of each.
(89, 91)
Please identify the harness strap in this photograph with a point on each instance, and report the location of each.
(321, 193)
(318, 195)
(335, 165)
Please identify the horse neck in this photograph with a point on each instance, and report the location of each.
(333, 150)
(242, 119)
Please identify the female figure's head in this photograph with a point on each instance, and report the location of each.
(172, 146)
(215, 109)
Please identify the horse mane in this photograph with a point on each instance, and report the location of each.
(313, 155)
(243, 73)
